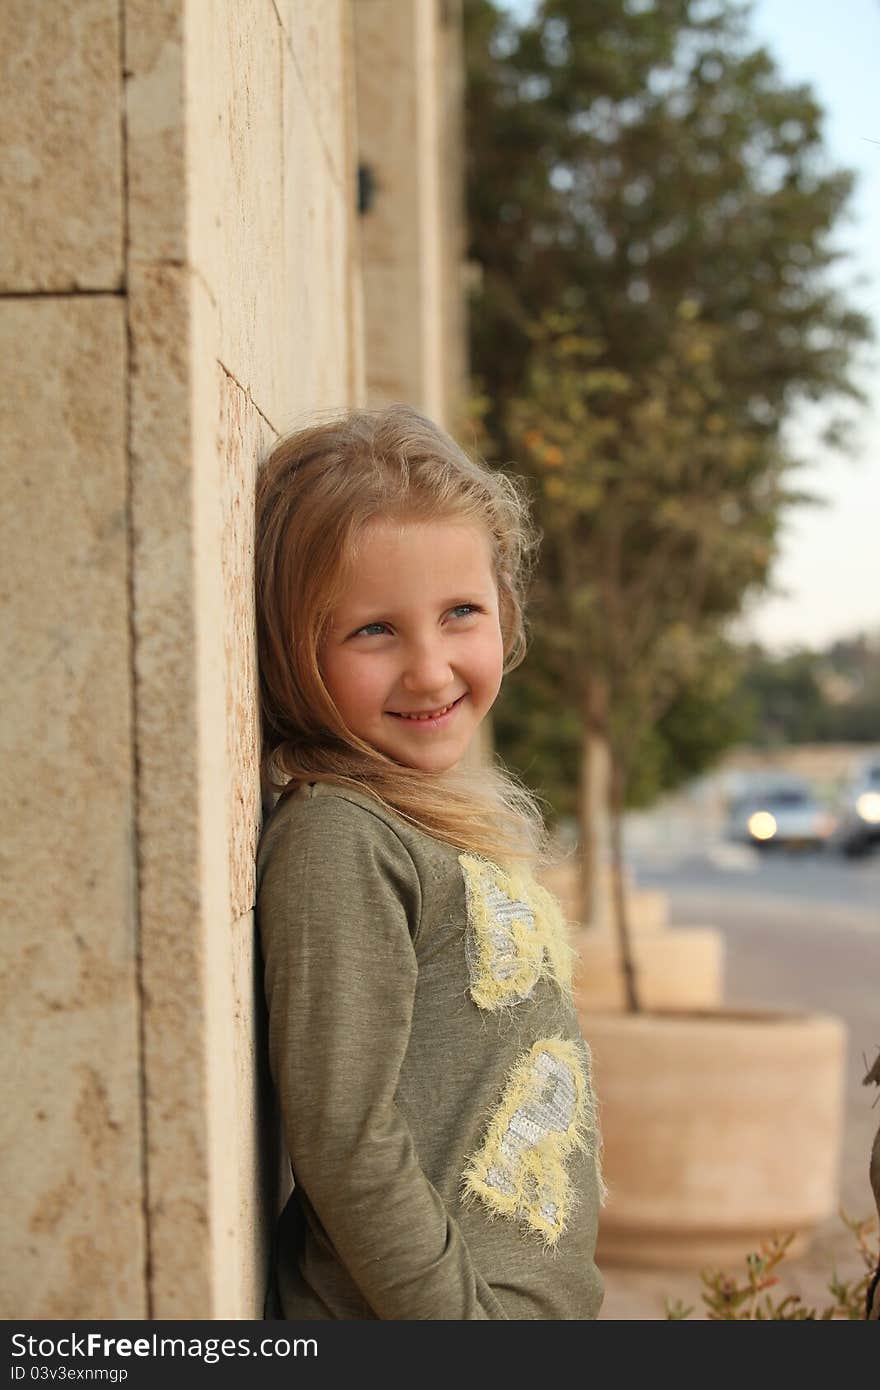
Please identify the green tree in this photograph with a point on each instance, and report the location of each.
(540, 736)
(626, 158)
(814, 696)
(653, 527)
(652, 213)
(786, 696)
(704, 719)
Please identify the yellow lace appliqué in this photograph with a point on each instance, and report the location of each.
(516, 935)
(546, 1112)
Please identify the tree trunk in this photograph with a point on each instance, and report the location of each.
(586, 834)
(618, 889)
(593, 805)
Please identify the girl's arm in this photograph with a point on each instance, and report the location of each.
(338, 905)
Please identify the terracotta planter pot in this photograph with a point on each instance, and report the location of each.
(720, 1128)
(680, 968)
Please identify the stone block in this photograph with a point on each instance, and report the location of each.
(254, 1177)
(61, 157)
(237, 188)
(73, 1229)
(246, 438)
(261, 210)
(400, 137)
(155, 106)
(181, 846)
(389, 112)
(196, 435)
(318, 252)
(316, 38)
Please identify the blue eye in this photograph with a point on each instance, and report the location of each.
(464, 610)
(370, 629)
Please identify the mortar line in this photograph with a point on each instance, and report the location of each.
(63, 294)
(137, 769)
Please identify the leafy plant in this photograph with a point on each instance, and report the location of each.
(758, 1295)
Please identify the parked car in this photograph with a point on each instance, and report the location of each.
(859, 816)
(781, 813)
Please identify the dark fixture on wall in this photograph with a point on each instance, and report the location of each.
(366, 188)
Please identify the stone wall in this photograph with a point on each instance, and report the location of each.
(241, 295)
(409, 99)
(73, 1222)
(181, 281)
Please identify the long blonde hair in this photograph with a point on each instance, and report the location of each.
(315, 493)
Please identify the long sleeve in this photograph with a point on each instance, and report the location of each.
(339, 909)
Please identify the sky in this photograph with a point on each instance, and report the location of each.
(826, 583)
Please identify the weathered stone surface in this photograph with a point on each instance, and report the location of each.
(316, 36)
(270, 215)
(195, 440)
(155, 54)
(61, 153)
(256, 1181)
(317, 241)
(245, 439)
(399, 110)
(222, 345)
(450, 70)
(73, 1229)
(177, 842)
(237, 187)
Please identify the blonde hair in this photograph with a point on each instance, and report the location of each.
(315, 494)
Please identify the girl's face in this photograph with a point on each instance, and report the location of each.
(413, 655)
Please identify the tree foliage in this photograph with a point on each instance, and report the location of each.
(653, 214)
(625, 158)
(657, 513)
(542, 735)
(813, 696)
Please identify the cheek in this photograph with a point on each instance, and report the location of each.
(489, 666)
(353, 684)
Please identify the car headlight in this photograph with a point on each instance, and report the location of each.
(868, 807)
(762, 826)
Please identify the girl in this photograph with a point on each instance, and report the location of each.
(434, 1086)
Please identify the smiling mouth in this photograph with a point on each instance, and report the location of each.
(425, 715)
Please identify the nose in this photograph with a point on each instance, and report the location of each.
(427, 670)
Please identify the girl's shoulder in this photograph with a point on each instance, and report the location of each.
(327, 822)
(318, 806)
(323, 805)
(327, 850)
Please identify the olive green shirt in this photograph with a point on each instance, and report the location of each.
(434, 1085)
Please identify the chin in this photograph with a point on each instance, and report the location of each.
(436, 764)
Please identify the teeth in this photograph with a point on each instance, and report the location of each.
(434, 714)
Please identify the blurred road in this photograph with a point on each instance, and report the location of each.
(800, 930)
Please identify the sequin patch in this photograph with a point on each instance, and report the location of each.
(516, 935)
(546, 1112)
